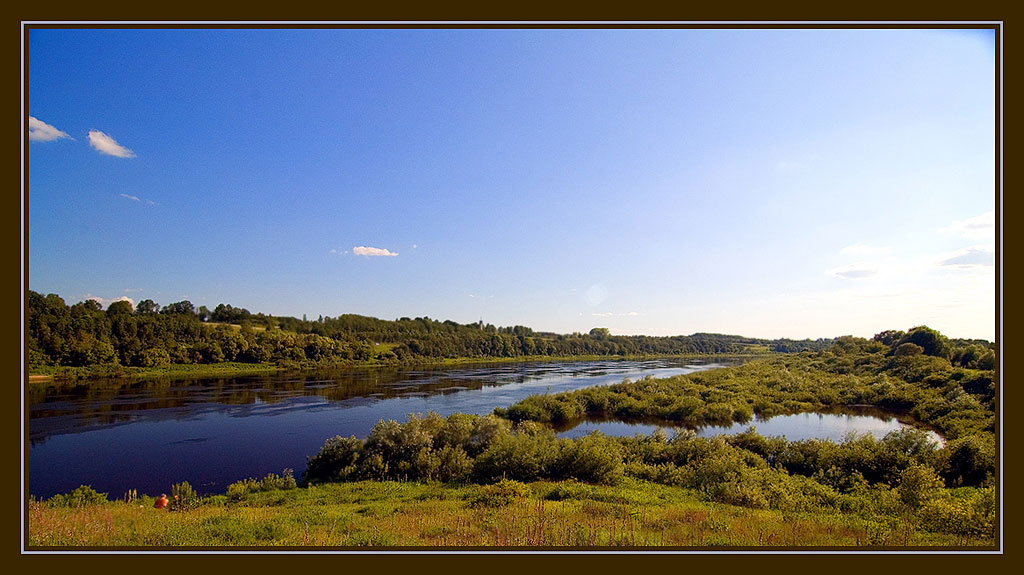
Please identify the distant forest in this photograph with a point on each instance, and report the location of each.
(149, 335)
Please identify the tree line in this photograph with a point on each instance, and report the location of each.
(150, 335)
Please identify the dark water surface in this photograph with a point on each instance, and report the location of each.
(116, 436)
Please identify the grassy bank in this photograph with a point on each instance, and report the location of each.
(41, 374)
(509, 514)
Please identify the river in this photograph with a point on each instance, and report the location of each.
(147, 435)
(115, 436)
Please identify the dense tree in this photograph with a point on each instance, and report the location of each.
(63, 335)
(932, 342)
(147, 306)
(184, 307)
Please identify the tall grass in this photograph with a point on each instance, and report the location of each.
(542, 514)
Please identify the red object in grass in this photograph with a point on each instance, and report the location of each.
(161, 502)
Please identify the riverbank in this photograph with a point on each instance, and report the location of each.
(46, 374)
(409, 515)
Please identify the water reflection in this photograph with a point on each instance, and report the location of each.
(116, 435)
(833, 424)
(55, 408)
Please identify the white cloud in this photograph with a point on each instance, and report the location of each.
(107, 145)
(972, 257)
(368, 251)
(40, 131)
(138, 199)
(854, 271)
(605, 314)
(860, 249)
(979, 227)
(105, 302)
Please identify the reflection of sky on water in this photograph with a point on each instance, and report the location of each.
(795, 427)
(214, 433)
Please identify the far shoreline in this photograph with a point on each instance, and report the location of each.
(83, 375)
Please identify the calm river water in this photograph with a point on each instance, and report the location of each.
(211, 432)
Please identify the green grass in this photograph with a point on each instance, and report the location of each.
(543, 514)
(126, 372)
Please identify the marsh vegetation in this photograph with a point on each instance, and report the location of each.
(506, 478)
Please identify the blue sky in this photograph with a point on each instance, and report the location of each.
(769, 183)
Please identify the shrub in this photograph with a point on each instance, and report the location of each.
(595, 458)
(80, 497)
(278, 482)
(453, 464)
(336, 460)
(183, 497)
(908, 348)
(272, 482)
(969, 460)
(918, 485)
(520, 457)
(570, 489)
(502, 493)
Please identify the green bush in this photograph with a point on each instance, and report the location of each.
(595, 458)
(272, 482)
(918, 484)
(454, 464)
(969, 461)
(518, 456)
(336, 460)
(570, 489)
(502, 493)
(183, 497)
(80, 497)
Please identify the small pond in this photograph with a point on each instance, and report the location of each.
(833, 425)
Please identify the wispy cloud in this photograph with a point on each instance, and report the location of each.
(138, 199)
(107, 145)
(40, 131)
(854, 271)
(374, 252)
(972, 257)
(979, 227)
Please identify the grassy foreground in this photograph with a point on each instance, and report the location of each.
(635, 513)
